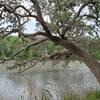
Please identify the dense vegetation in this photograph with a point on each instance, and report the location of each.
(11, 44)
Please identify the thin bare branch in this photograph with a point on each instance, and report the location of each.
(32, 34)
(80, 10)
(10, 32)
(20, 6)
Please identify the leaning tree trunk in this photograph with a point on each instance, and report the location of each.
(92, 64)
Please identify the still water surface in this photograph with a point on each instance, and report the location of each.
(31, 86)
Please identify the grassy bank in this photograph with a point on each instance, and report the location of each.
(90, 95)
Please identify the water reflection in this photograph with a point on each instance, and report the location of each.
(52, 84)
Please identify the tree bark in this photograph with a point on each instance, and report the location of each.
(92, 64)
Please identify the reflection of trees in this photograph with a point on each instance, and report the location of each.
(30, 90)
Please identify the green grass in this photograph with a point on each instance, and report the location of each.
(90, 95)
(71, 97)
(95, 52)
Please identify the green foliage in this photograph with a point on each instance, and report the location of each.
(63, 14)
(95, 53)
(91, 95)
(94, 48)
(51, 47)
(12, 44)
(90, 45)
(70, 97)
(63, 20)
(7, 46)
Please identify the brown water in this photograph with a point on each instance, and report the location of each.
(32, 86)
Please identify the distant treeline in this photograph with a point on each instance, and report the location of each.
(12, 44)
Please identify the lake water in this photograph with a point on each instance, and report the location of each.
(33, 86)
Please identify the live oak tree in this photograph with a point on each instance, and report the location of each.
(67, 19)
